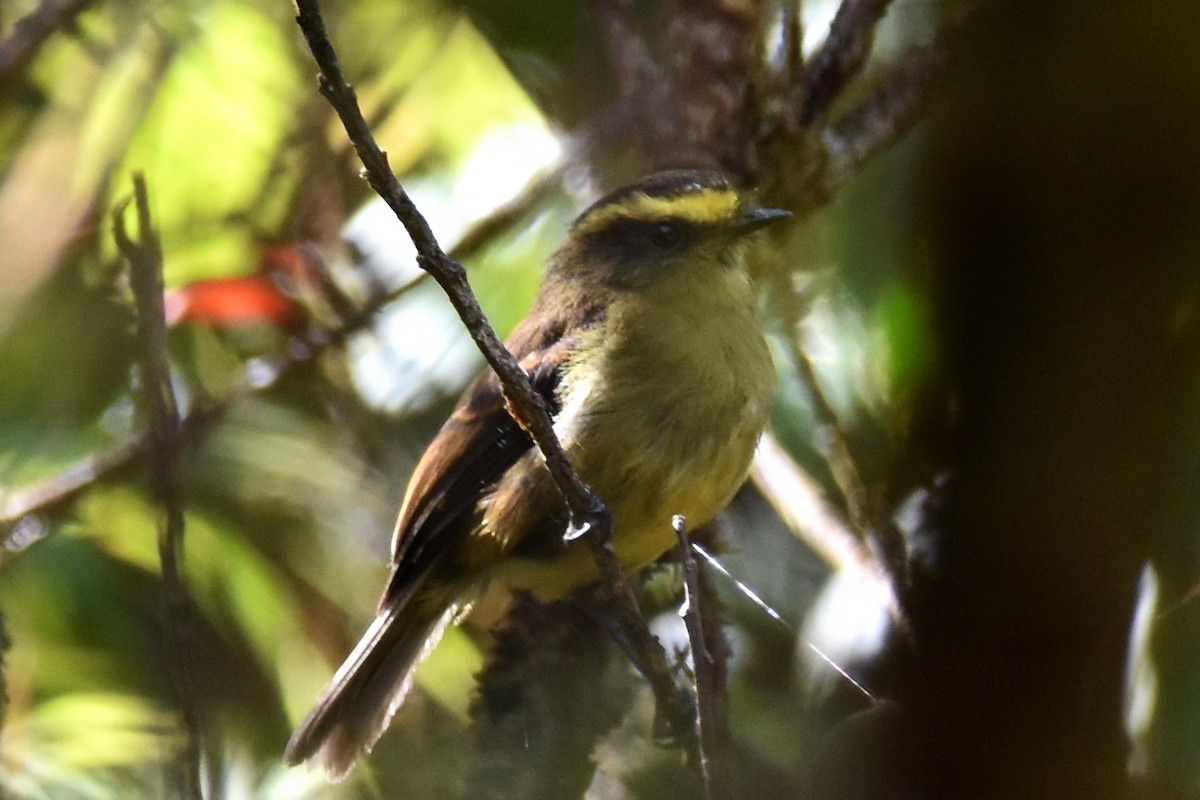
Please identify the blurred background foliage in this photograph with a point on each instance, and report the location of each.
(291, 489)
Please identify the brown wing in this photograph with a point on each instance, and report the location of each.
(472, 451)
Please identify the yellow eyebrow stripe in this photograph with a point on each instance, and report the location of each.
(709, 206)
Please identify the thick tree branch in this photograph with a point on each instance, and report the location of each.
(159, 406)
(643, 96)
(793, 44)
(716, 52)
(814, 161)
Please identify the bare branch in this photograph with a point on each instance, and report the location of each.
(589, 514)
(32, 31)
(834, 155)
(814, 161)
(841, 56)
(801, 504)
(867, 514)
(841, 460)
(158, 404)
(793, 43)
(674, 720)
(65, 485)
(710, 653)
(892, 108)
(525, 404)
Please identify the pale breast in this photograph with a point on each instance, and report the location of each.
(660, 418)
(693, 395)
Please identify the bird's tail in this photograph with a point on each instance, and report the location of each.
(370, 686)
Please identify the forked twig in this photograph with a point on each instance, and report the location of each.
(891, 108)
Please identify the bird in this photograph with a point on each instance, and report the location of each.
(646, 343)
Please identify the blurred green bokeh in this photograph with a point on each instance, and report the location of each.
(291, 492)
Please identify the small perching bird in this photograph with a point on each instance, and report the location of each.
(646, 343)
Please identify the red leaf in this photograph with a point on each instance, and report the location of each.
(232, 303)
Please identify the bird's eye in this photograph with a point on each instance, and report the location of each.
(666, 235)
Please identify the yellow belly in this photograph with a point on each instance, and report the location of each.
(655, 447)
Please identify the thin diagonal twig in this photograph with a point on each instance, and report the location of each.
(589, 514)
(528, 407)
(867, 515)
(800, 502)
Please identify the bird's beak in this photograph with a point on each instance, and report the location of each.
(754, 219)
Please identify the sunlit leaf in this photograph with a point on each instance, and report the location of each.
(902, 349)
(88, 745)
(448, 675)
(220, 114)
(465, 90)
